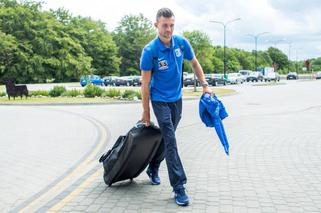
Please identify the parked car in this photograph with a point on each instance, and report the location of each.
(254, 76)
(110, 80)
(137, 80)
(122, 81)
(292, 75)
(91, 79)
(272, 76)
(235, 78)
(214, 79)
(245, 73)
(189, 79)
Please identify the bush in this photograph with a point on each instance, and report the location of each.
(57, 91)
(39, 93)
(72, 93)
(92, 91)
(112, 93)
(129, 94)
(2, 94)
(138, 95)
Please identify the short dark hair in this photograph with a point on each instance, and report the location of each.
(165, 12)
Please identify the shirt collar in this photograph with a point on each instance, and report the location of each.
(162, 46)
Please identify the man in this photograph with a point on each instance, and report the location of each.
(161, 66)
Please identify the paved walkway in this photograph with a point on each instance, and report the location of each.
(274, 163)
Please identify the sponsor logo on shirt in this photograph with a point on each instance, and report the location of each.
(162, 65)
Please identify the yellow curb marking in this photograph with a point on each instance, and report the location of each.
(76, 192)
(75, 173)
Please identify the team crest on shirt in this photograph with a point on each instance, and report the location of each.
(162, 65)
(178, 52)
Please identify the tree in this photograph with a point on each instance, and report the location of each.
(97, 42)
(132, 34)
(203, 49)
(44, 50)
(279, 59)
(316, 64)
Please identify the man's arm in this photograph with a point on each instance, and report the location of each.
(146, 76)
(200, 75)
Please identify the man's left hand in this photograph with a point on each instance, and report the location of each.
(207, 89)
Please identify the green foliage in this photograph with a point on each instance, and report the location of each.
(57, 91)
(37, 46)
(132, 34)
(97, 42)
(92, 91)
(316, 64)
(279, 59)
(39, 93)
(138, 95)
(72, 93)
(2, 94)
(129, 94)
(112, 93)
(203, 49)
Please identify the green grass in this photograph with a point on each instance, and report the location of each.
(75, 100)
(56, 100)
(2, 88)
(198, 93)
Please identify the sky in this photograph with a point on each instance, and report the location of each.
(292, 26)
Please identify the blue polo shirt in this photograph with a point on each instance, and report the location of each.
(166, 66)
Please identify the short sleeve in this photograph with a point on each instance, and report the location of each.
(189, 52)
(146, 59)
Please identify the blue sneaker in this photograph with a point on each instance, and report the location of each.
(153, 177)
(181, 197)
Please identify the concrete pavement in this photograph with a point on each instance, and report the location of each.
(274, 164)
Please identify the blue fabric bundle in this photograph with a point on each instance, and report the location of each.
(212, 112)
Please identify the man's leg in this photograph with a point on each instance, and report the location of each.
(168, 116)
(152, 170)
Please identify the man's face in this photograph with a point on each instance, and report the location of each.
(165, 27)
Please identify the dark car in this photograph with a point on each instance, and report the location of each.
(109, 80)
(122, 81)
(254, 77)
(215, 79)
(189, 80)
(292, 76)
(137, 80)
(91, 79)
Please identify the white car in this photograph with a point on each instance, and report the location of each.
(272, 76)
(318, 75)
(245, 73)
(235, 78)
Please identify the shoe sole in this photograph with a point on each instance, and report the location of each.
(182, 204)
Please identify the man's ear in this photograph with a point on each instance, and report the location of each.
(155, 24)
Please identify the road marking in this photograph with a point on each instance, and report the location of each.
(73, 175)
(76, 192)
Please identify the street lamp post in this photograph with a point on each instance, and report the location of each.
(289, 55)
(255, 39)
(225, 25)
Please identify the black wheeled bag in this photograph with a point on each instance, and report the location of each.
(131, 153)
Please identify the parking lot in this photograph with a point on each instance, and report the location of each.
(49, 156)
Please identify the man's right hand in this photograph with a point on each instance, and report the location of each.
(146, 118)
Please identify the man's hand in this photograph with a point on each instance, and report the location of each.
(206, 89)
(146, 118)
